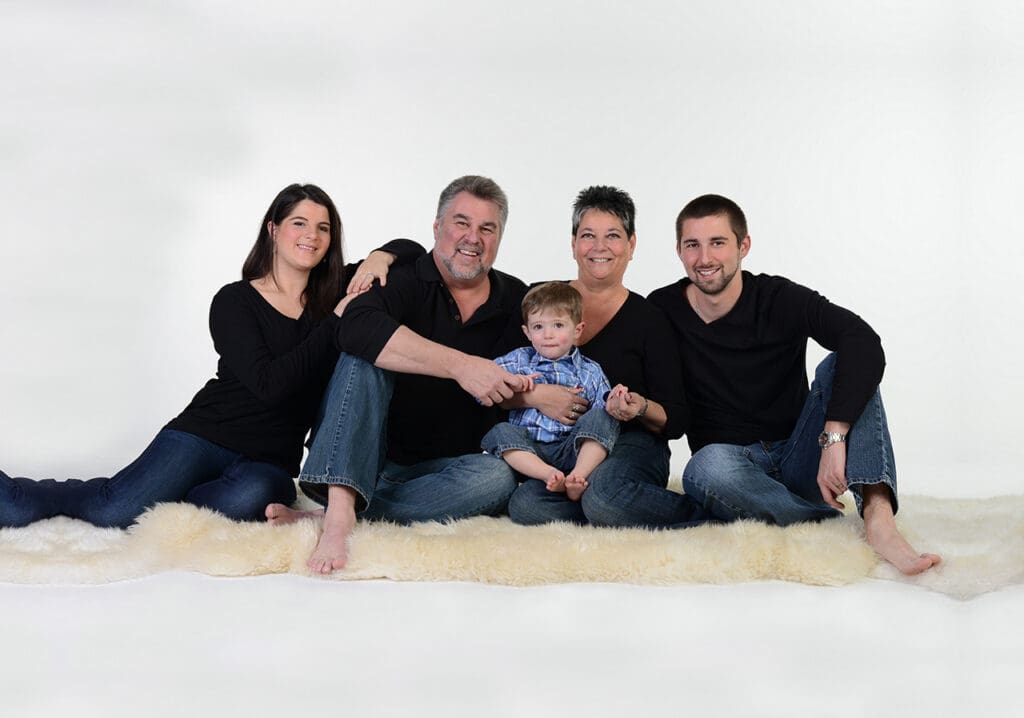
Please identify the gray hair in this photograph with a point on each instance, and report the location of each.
(606, 199)
(480, 187)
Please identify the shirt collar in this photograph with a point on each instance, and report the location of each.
(573, 357)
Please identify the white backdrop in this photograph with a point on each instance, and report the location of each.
(873, 146)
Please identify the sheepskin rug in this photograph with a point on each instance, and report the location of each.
(981, 540)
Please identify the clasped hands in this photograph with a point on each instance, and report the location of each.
(623, 404)
(489, 384)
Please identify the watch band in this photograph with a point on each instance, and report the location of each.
(828, 438)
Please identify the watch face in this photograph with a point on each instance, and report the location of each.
(826, 439)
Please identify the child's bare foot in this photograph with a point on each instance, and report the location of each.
(556, 482)
(279, 514)
(331, 552)
(886, 539)
(575, 486)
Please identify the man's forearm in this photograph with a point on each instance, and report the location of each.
(408, 353)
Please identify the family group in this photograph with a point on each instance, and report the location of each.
(433, 386)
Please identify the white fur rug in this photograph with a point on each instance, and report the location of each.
(981, 541)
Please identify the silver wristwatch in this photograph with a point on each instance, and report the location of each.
(827, 438)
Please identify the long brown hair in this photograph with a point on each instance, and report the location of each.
(327, 279)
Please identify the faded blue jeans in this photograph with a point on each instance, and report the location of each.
(348, 449)
(777, 481)
(176, 466)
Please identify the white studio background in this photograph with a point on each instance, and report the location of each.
(873, 146)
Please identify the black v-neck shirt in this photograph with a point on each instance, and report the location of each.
(271, 374)
(636, 348)
(272, 371)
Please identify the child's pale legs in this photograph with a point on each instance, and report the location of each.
(583, 450)
(589, 455)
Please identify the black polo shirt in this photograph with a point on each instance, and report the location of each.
(431, 417)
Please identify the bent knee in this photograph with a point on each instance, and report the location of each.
(527, 507)
(715, 459)
(494, 481)
(712, 464)
(604, 502)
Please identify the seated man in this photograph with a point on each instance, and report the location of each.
(763, 446)
(404, 444)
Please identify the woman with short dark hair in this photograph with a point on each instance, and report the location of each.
(631, 339)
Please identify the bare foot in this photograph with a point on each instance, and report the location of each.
(890, 545)
(280, 515)
(575, 486)
(886, 539)
(555, 482)
(331, 552)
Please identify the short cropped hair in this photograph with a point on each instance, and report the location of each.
(711, 205)
(480, 187)
(607, 199)
(553, 296)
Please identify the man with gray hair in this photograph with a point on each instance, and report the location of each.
(415, 389)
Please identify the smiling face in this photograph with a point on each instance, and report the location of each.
(711, 253)
(466, 238)
(302, 238)
(601, 247)
(552, 332)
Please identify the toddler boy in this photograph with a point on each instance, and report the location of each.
(530, 442)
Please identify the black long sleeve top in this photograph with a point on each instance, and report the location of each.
(745, 373)
(636, 349)
(271, 373)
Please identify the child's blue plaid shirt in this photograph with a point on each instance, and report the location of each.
(572, 370)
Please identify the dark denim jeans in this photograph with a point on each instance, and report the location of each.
(348, 450)
(626, 489)
(595, 425)
(176, 466)
(777, 481)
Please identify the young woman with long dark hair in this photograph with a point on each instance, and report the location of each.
(238, 444)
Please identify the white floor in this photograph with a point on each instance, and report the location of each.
(185, 644)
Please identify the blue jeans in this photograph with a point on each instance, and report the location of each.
(626, 489)
(777, 481)
(596, 425)
(176, 466)
(348, 449)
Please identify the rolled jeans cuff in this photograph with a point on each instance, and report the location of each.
(856, 487)
(597, 425)
(507, 437)
(315, 487)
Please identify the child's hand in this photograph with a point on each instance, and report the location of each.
(526, 382)
(556, 484)
(622, 404)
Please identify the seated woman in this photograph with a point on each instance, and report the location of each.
(632, 341)
(236, 447)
